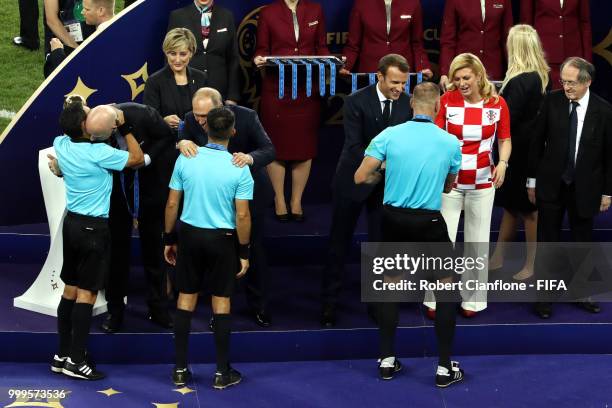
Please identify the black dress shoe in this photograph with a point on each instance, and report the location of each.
(22, 42)
(328, 316)
(161, 318)
(591, 307)
(298, 217)
(543, 310)
(283, 217)
(261, 318)
(112, 323)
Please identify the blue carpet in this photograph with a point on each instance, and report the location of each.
(491, 381)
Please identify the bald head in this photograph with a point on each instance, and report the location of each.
(101, 121)
(203, 101)
(426, 99)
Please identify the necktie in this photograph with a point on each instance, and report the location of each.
(570, 168)
(387, 112)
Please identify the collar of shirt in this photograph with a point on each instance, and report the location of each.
(583, 102)
(382, 98)
(423, 118)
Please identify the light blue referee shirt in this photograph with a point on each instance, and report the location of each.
(419, 157)
(86, 168)
(211, 183)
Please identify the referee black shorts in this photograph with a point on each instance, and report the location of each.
(419, 226)
(206, 259)
(87, 250)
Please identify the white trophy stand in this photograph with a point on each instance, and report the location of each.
(45, 293)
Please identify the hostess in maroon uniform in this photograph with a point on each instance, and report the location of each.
(292, 124)
(368, 41)
(463, 30)
(565, 31)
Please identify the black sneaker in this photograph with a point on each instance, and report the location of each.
(83, 370)
(224, 380)
(112, 323)
(386, 373)
(57, 365)
(181, 376)
(444, 378)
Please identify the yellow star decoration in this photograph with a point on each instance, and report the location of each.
(81, 89)
(131, 80)
(51, 403)
(109, 392)
(184, 390)
(159, 405)
(602, 50)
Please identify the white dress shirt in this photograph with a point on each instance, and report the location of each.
(382, 98)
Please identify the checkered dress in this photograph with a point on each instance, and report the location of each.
(476, 126)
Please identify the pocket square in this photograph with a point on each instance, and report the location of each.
(405, 16)
(313, 23)
(222, 30)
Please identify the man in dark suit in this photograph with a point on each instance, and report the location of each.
(28, 25)
(217, 47)
(367, 112)
(570, 164)
(252, 147)
(139, 197)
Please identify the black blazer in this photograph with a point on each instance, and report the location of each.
(362, 122)
(220, 60)
(157, 140)
(161, 92)
(548, 154)
(250, 138)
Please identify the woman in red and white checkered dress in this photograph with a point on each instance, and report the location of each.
(472, 112)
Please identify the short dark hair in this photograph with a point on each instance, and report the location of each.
(393, 60)
(71, 119)
(220, 123)
(586, 69)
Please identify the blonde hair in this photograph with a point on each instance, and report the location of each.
(525, 54)
(179, 38)
(467, 60)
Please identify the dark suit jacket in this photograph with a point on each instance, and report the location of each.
(157, 140)
(565, 32)
(464, 31)
(162, 94)
(362, 122)
(548, 155)
(250, 138)
(368, 41)
(220, 60)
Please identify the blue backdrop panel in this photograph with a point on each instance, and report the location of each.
(111, 68)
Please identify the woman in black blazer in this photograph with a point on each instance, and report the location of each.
(524, 87)
(170, 89)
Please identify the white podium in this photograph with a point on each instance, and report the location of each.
(44, 294)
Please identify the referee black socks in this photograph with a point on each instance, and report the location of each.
(81, 321)
(182, 327)
(64, 325)
(222, 341)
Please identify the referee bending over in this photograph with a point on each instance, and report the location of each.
(421, 161)
(86, 167)
(215, 210)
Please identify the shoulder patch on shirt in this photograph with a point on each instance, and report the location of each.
(313, 23)
(222, 30)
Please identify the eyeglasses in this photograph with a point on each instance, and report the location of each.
(569, 84)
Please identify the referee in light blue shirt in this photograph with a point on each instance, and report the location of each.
(215, 211)
(421, 161)
(86, 167)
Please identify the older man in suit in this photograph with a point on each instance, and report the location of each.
(251, 147)
(367, 112)
(570, 163)
(217, 47)
(140, 195)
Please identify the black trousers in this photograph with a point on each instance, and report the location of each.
(28, 23)
(345, 214)
(150, 228)
(554, 263)
(256, 279)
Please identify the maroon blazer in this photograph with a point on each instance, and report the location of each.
(565, 32)
(368, 41)
(464, 31)
(275, 35)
